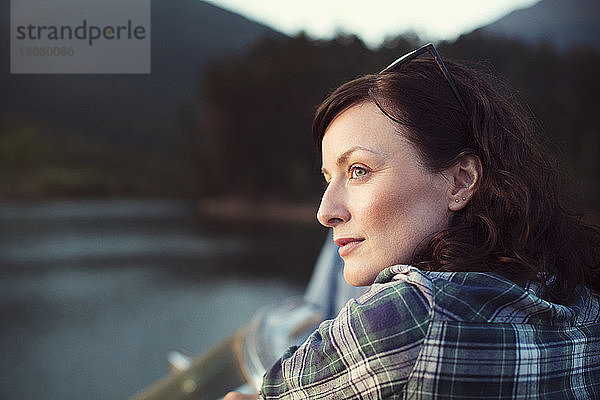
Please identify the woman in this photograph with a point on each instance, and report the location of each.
(483, 285)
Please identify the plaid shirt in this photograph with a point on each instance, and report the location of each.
(466, 335)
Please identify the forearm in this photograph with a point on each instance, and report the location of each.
(240, 396)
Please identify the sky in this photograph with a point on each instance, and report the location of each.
(374, 20)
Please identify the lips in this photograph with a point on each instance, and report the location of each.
(347, 245)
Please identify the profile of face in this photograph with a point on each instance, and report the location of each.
(381, 202)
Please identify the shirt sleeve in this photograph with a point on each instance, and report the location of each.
(367, 351)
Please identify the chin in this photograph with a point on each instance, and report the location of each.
(356, 276)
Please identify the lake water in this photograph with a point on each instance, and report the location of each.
(93, 294)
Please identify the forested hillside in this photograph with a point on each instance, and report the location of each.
(255, 134)
(227, 110)
(114, 134)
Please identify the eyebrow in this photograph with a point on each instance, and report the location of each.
(343, 158)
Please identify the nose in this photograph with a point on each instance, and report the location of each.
(332, 210)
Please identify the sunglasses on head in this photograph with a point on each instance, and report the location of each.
(428, 48)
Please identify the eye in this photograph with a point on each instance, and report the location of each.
(357, 171)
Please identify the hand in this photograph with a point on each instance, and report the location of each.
(240, 396)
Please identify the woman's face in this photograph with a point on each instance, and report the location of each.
(381, 203)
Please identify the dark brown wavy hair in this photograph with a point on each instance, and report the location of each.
(517, 224)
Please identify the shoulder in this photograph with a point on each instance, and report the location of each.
(485, 297)
(388, 308)
(371, 346)
(458, 296)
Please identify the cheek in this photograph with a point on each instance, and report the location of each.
(385, 207)
(387, 212)
(402, 219)
(393, 197)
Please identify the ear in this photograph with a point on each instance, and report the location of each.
(464, 176)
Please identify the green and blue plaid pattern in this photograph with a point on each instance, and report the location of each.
(441, 335)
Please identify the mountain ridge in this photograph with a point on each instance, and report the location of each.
(186, 36)
(561, 23)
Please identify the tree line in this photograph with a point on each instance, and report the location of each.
(253, 137)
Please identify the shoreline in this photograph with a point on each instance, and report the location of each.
(253, 211)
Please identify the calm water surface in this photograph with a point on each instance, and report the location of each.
(93, 294)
